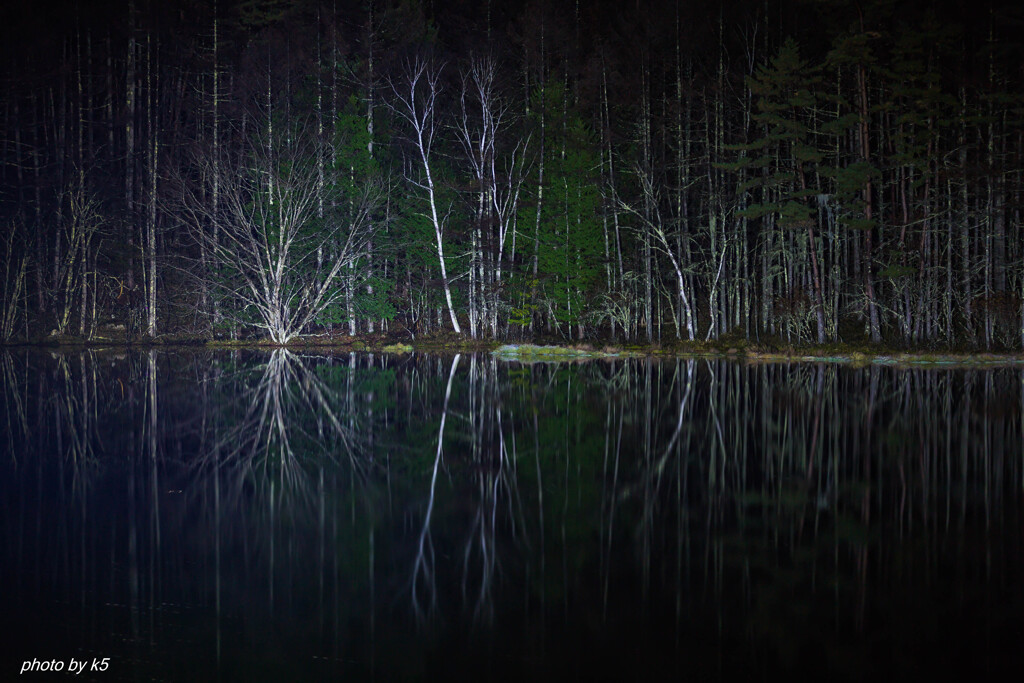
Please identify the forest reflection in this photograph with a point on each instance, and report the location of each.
(280, 514)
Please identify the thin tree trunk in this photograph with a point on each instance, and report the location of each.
(129, 143)
(151, 218)
(865, 149)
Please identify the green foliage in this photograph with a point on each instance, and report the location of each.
(353, 164)
(374, 299)
(569, 254)
(896, 271)
(257, 14)
(788, 146)
(520, 309)
(795, 214)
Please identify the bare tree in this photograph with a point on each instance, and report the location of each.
(482, 121)
(78, 227)
(415, 102)
(652, 225)
(14, 261)
(277, 257)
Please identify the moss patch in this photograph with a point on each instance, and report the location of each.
(397, 348)
(535, 353)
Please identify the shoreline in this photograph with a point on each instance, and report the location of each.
(852, 354)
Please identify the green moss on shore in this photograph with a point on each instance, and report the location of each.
(536, 353)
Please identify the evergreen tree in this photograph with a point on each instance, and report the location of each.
(784, 163)
(570, 232)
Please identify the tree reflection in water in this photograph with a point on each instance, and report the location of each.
(424, 564)
(305, 516)
(278, 423)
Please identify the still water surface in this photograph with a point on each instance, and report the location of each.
(280, 516)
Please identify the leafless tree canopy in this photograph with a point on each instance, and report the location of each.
(275, 254)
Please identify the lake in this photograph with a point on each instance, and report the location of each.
(270, 516)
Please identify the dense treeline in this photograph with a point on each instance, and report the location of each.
(804, 171)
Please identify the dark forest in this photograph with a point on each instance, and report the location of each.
(797, 172)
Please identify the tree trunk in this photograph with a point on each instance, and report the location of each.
(865, 148)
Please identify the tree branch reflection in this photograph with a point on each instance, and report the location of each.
(276, 422)
(423, 567)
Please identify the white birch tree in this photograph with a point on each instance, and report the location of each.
(415, 103)
(481, 124)
(278, 259)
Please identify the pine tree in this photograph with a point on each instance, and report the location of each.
(569, 255)
(783, 163)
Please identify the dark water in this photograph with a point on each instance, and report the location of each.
(257, 516)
